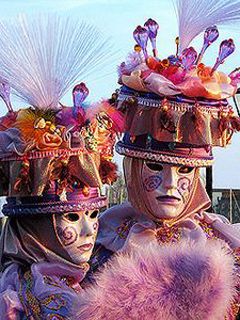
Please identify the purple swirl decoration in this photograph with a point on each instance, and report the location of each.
(68, 235)
(152, 183)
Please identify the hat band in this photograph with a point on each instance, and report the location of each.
(14, 207)
(161, 156)
(149, 99)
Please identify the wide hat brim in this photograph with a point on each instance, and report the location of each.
(54, 204)
(146, 148)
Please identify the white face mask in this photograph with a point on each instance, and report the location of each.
(167, 188)
(77, 233)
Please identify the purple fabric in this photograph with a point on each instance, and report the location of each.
(10, 142)
(47, 281)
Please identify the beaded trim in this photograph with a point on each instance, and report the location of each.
(204, 107)
(50, 208)
(44, 154)
(158, 157)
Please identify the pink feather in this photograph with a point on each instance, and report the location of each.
(184, 281)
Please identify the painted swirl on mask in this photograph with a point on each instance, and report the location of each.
(152, 183)
(184, 186)
(68, 235)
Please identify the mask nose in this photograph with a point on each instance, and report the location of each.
(170, 179)
(87, 229)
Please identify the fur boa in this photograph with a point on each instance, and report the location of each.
(187, 281)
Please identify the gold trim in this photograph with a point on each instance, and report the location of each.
(158, 157)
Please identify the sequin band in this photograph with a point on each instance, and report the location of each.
(160, 157)
(51, 208)
(149, 99)
(44, 154)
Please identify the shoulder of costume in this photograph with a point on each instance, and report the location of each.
(117, 213)
(222, 228)
(114, 225)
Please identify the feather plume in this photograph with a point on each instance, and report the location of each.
(194, 16)
(41, 57)
(184, 281)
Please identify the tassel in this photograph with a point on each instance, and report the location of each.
(62, 175)
(226, 124)
(166, 118)
(108, 171)
(197, 117)
(22, 182)
(234, 121)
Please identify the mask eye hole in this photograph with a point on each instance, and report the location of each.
(94, 214)
(73, 217)
(154, 166)
(185, 169)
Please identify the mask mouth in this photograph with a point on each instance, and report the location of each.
(85, 247)
(168, 199)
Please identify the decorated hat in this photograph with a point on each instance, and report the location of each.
(176, 108)
(53, 158)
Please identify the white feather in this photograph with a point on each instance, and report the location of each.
(194, 16)
(41, 57)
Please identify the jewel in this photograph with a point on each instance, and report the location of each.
(235, 76)
(172, 145)
(210, 35)
(132, 138)
(152, 28)
(137, 48)
(140, 35)
(227, 47)
(5, 94)
(165, 63)
(173, 60)
(188, 58)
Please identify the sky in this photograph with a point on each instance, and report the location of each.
(117, 19)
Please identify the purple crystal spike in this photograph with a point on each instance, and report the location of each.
(210, 35)
(80, 92)
(235, 76)
(188, 58)
(152, 28)
(5, 94)
(227, 47)
(140, 35)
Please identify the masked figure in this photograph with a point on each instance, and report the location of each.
(50, 172)
(170, 258)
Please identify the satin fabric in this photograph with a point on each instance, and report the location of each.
(217, 87)
(27, 240)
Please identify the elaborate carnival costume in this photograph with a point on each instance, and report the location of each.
(53, 161)
(175, 260)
